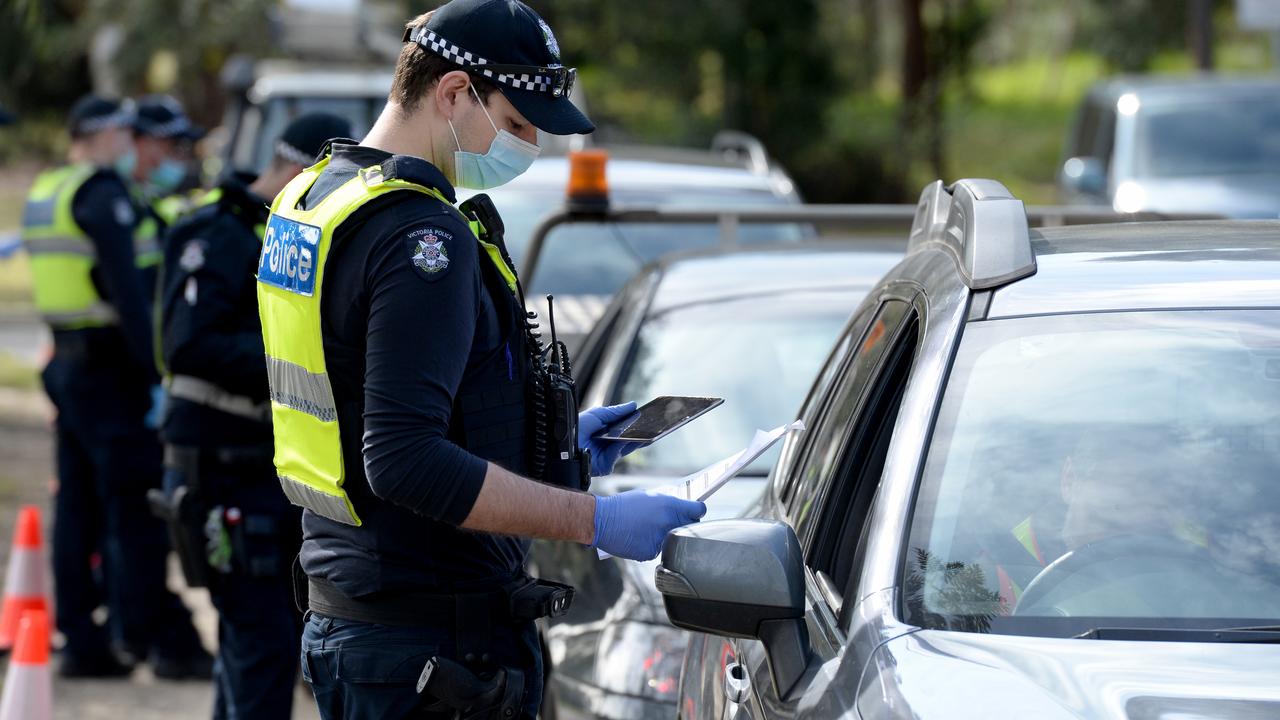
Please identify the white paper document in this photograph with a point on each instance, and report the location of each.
(704, 483)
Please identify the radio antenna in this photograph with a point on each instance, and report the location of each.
(555, 341)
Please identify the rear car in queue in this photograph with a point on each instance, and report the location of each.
(750, 325)
(1039, 480)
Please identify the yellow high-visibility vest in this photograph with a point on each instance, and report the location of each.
(291, 270)
(62, 255)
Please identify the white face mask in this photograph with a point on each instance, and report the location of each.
(508, 157)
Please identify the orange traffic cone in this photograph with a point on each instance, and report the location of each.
(24, 583)
(28, 687)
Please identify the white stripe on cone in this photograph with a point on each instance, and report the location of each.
(28, 693)
(25, 576)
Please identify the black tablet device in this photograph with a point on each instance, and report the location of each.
(659, 417)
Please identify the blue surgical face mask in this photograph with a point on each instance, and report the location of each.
(125, 164)
(508, 157)
(167, 176)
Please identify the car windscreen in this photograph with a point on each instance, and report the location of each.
(1239, 137)
(1103, 470)
(758, 353)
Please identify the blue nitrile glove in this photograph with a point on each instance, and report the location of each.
(156, 413)
(604, 453)
(634, 524)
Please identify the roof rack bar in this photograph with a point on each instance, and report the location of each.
(984, 225)
(737, 142)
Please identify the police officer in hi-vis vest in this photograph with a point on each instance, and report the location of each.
(162, 141)
(416, 416)
(78, 229)
(217, 432)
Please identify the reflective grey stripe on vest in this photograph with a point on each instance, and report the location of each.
(329, 506)
(198, 390)
(98, 312)
(145, 246)
(294, 387)
(60, 246)
(39, 213)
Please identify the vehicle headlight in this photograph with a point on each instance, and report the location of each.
(1130, 197)
(641, 659)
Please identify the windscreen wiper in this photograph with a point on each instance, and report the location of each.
(1258, 635)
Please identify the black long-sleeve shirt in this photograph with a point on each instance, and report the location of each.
(209, 319)
(104, 211)
(400, 335)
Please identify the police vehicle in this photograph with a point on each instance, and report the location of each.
(585, 256)
(1038, 480)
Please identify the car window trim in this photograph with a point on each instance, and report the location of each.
(853, 460)
(903, 539)
(786, 497)
(822, 404)
(807, 535)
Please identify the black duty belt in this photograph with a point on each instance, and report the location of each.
(518, 601)
(471, 614)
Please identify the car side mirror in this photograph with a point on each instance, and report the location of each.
(740, 578)
(1085, 175)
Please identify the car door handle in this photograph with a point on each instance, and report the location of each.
(737, 683)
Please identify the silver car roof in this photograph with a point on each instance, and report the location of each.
(1147, 266)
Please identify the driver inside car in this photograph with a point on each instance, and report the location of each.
(1113, 483)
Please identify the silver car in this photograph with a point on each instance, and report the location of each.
(1041, 479)
(751, 325)
(1204, 144)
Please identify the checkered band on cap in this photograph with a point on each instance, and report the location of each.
(120, 118)
(293, 154)
(429, 40)
(173, 128)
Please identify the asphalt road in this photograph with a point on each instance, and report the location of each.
(26, 452)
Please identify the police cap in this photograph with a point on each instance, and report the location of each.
(306, 136)
(507, 43)
(162, 116)
(94, 113)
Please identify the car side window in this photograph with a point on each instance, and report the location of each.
(839, 539)
(1105, 138)
(797, 446)
(829, 435)
(1086, 130)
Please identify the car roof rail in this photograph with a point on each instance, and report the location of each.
(746, 146)
(983, 224)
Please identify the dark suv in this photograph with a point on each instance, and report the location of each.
(1041, 479)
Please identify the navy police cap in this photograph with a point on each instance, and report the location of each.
(303, 138)
(507, 43)
(162, 116)
(94, 113)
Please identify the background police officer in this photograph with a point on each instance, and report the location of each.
(78, 229)
(218, 434)
(162, 141)
(399, 375)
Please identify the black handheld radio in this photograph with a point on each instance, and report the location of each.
(555, 457)
(567, 464)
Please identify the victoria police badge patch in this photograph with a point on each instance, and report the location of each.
(192, 256)
(429, 253)
(552, 46)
